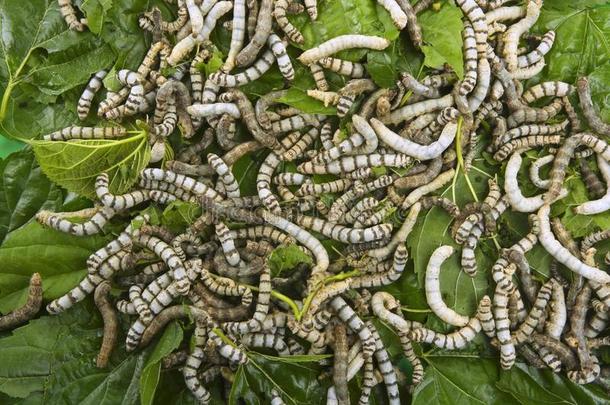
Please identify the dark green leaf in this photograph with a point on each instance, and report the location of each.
(170, 340)
(385, 66)
(23, 191)
(287, 257)
(442, 34)
(58, 257)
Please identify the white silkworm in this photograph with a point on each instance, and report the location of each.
(514, 32)
(546, 89)
(537, 54)
(517, 200)
(535, 171)
(184, 182)
(399, 18)
(228, 245)
(263, 183)
(238, 33)
(252, 73)
(563, 255)
(206, 110)
(84, 102)
(74, 132)
(354, 70)
(411, 111)
(471, 57)
(341, 43)
(433, 292)
(283, 60)
(353, 321)
(92, 226)
(602, 204)
(482, 88)
(225, 175)
(279, 12)
(117, 202)
(304, 237)
(351, 163)
(420, 152)
(479, 23)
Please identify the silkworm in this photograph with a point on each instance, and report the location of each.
(330, 187)
(514, 32)
(28, 310)
(479, 23)
(526, 142)
(421, 191)
(104, 271)
(354, 70)
(561, 254)
(254, 72)
(206, 110)
(92, 226)
(533, 318)
(343, 234)
(93, 86)
(294, 123)
(279, 13)
(352, 163)
(111, 322)
(432, 287)
(546, 89)
(603, 203)
(470, 60)
(594, 185)
(392, 274)
(341, 43)
(399, 18)
(69, 15)
(263, 29)
(75, 132)
(278, 47)
(183, 182)
(588, 110)
(500, 310)
(456, 340)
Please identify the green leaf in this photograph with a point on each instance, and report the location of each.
(297, 383)
(23, 191)
(442, 34)
(8, 146)
(75, 164)
(385, 66)
(287, 257)
(341, 17)
(171, 339)
(460, 291)
(582, 42)
(179, 214)
(96, 10)
(299, 99)
(457, 380)
(58, 257)
(531, 386)
(52, 358)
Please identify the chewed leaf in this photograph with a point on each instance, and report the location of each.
(442, 34)
(299, 99)
(75, 164)
(287, 257)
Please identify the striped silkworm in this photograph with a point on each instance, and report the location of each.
(475, 15)
(318, 76)
(350, 92)
(111, 323)
(456, 340)
(343, 234)
(259, 39)
(93, 86)
(352, 163)
(595, 187)
(278, 48)
(75, 132)
(502, 322)
(601, 204)
(546, 89)
(260, 66)
(354, 70)
(529, 114)
(92, 226)
(279, 13)
(524, 143)
(561, 254)
(528, 326)
(69, 15)
(432, 287)
(117, 202)
(545, 45)
(341, 43)
(28, 310)
(355, 324)
(588, 110)
(511, 37)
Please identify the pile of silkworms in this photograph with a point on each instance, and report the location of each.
(217, 272)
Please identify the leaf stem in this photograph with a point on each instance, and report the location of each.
(223, 337)
(336, 277)
(460, 157)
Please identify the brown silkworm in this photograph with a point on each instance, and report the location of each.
(29, 309)
(111, 323)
